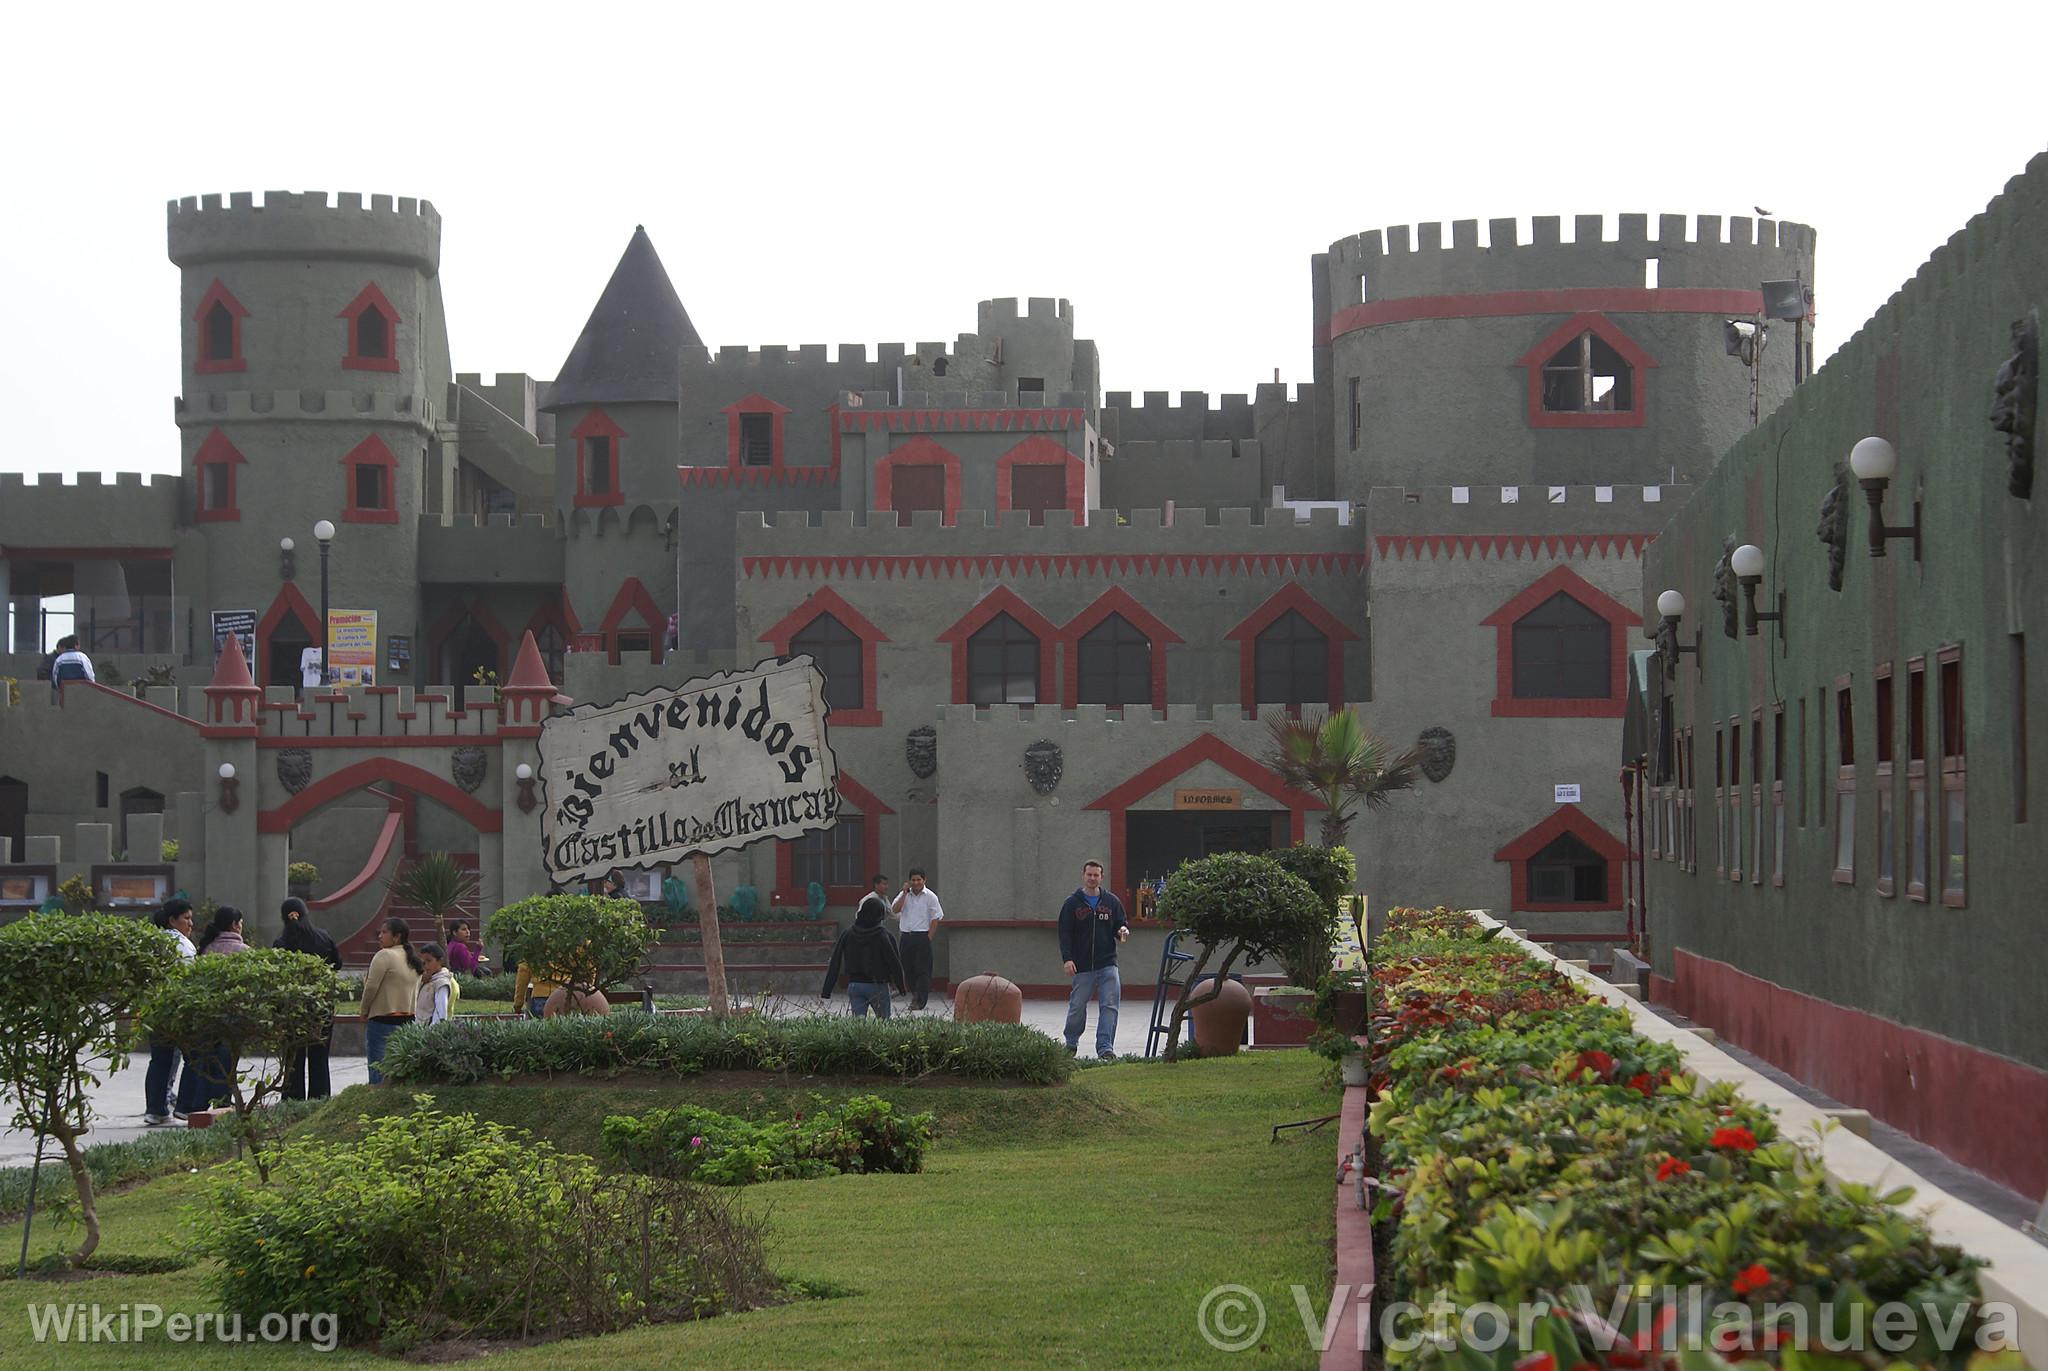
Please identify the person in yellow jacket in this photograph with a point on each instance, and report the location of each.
(390, 989)
(530, 992)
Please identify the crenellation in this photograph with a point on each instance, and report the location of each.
(1465, 234)
(210, 407)
(1546, 231)
(1429, 237)
(1589, 228)
(1633, 230)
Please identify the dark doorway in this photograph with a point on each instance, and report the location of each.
(912, 488)
(287, 642)
(470, 648)
(1158, 841)
(139, 801)
(14, 816)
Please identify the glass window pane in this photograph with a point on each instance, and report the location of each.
(1952, 846)
(1916, 838)
(1887, 841)
(1845, 830)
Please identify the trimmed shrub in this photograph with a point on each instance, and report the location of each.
(497, 986)
(864, 1135)
(434, 1226)
(1329, 872)
(1237, 906)
(817, 1044)
(586, 942)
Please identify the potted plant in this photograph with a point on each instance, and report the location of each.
(300, 876)
(436, 886)
(1237, 906)
(1343, 1049)
(583, 943)
(1283, 1015)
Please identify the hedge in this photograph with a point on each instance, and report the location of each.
(1535, 1150)
(676, 1045)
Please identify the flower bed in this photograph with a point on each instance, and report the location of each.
(626, 1040)
(1539, 1153)
(865, 1135)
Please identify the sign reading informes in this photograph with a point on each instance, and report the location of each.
(240, 624)
(1208, 799)
(352, 647)
(710, 765)
(1564, 794)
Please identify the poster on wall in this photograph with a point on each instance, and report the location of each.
(242, 624)
(714, 764)
(352, 646)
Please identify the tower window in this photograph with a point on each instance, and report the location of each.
(598, 452)
(839, 654)
(372, 332)
(757, 440)
(220, 334)
(1115, 665)
(1291, 662)
(1561, 652)
(939, 367)
(219, 318)
(216, 486)
(1031, 385)
(214, 466)
(373, 335)
(1567, 871)
(1002, 664)
(598, 442)
(369, 492)
(1587, 376)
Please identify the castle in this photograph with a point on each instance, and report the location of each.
(1056, 624)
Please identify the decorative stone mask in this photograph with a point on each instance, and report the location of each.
(1439, 752)
(1724, 587)
(467, 765)
(1043, 766)
(295, 768)
(1833, 528)
(2013, 405)
(921, 750)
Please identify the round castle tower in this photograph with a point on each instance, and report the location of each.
(1543, 362)
(314, 352)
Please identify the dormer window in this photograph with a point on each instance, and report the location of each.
(372, 332)
(1586, 373)
(754, 433)
(597, 460)
(599, 447)
(371, 489)
(757, 440)
(214, 467)
(219, 317)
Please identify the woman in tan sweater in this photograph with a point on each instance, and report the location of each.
(390, 988)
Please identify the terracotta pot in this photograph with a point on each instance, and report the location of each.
(558, 1003)
(988, 998)
(1219, 1023)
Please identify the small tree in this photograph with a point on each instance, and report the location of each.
(65, 982)
(587, 943)
(1329, 871)
(435, 885)
(1243, 907)
(1344, 764)
(263, 1003)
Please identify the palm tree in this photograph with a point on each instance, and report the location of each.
(1339, 760)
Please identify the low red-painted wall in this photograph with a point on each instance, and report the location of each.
(1986, 1111)
(1353, 1274)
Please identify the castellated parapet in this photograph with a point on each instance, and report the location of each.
(977, 533)
(46, 511)
(1521, 510)
(333, 406)
(1397, 263)
(301, 224)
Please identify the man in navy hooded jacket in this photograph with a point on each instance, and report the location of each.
(1091, 924)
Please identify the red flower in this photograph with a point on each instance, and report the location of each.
(1672, 1166)
(1736, 1139)
(1641, 1083)
(1648, 1338)
(1537, 1361)
(1597, 1062)
(1751, 1277)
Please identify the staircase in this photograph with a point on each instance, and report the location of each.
(361, 945)
(786, 956)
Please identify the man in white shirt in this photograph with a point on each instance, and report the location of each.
(918, 912)
(69, 665)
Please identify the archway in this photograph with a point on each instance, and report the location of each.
(469, 648)
(14, 815)
(285, 631)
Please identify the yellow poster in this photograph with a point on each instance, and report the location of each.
(352, 646)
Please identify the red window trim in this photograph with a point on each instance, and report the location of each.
(370, 452)
(598, 424)
(1206, 748)
(1115, 600)
(1619, 617)
(216, 451)
(1039, 450)
(1246, 636)
(1003, 600)
(289, 600)
(443, 627)
(367, 299)
(201, 364)
(1570, 819)
(633, 597)
(826, 600)
(1607, 331)
(753, 404)
(919, 451)
(555, 610)
(870, 808)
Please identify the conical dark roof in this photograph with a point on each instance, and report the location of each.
(634, 341)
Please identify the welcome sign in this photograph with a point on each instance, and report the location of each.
(714, 764)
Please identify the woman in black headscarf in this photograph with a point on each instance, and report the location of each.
(308, 1068)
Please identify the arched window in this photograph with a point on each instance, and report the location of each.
(1566, 871)
(1002, 664)
(1115, 665)
(837, 650)
(1587, 376)
(1291, 663)
(219, 333)
(1562, 652)
(373, 334)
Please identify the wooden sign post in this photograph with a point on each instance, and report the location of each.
(704, 894)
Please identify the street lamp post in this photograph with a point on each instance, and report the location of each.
(324, 532)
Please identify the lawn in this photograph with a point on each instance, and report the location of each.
(1078, 1225)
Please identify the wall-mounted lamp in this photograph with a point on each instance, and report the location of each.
(524, 775)
(1874, 462)
(1748, 565)
(230, 800)
(288, 565)
(1671, 608)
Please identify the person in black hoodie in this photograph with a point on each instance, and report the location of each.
(868, 955)
(307, 1077)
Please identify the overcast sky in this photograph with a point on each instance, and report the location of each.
(859, 174)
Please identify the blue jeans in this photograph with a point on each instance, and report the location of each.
(205, 1082)
(375, 1035)
(156, 1082)
(1107, 984)
(861, 994)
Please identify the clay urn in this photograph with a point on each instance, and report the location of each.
(988, 998)
(559, 1003)
(1219, 1023)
